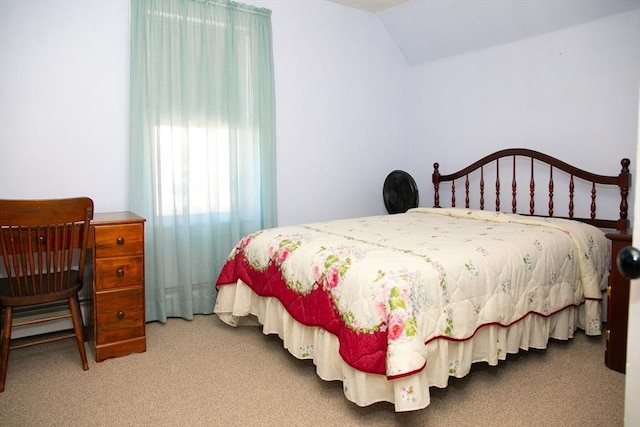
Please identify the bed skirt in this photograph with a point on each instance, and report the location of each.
(238, 305)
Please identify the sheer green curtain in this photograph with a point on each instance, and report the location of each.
(202, 160)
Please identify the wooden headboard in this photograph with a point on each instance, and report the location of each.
(536, 162)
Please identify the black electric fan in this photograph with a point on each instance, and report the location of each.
(400, 192)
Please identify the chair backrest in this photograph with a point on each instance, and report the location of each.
(38, 240)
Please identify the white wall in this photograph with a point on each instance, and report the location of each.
(572, 94)
(342, 95)
(64, 100)
(342, 105)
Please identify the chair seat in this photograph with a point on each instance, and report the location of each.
(23, 294)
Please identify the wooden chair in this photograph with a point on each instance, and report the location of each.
(44, 246)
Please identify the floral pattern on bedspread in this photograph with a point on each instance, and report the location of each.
(387, 285)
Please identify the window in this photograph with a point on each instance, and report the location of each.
(194, 168)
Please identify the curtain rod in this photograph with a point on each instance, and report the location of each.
(236, 5)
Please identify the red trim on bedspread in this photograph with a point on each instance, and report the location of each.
(502, 325)
(363, 351)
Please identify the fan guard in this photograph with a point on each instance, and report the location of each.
(400, 192)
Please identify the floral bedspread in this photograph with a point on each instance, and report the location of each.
(387, 285)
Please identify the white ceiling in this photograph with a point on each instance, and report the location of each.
(428, 30)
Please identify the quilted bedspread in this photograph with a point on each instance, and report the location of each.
(387, 285)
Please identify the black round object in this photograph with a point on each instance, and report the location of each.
(629, 262)
(400, 192)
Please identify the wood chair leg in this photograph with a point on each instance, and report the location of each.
(78, 327)
(4, 347)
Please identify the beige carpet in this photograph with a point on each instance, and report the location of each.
(205, 373)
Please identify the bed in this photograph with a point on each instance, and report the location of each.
(392, 305)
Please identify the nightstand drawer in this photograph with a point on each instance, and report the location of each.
(119, 240)
(119, 315)
(118, 272)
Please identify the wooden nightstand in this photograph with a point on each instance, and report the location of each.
(615, 356)
(116, 325)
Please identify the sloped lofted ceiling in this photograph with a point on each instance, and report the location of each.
(428, 30)
(375, 6)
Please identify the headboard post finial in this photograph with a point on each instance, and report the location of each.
(624, 184)
(435, 178)
(625, 164)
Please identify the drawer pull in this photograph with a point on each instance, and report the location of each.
(120, 240)
(121, 315)
(120, 272)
